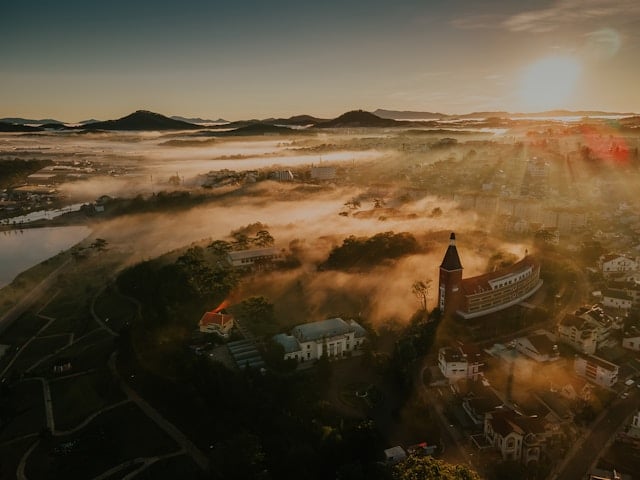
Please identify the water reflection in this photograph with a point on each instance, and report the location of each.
(22, 249)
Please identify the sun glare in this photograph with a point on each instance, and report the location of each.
(549, 83)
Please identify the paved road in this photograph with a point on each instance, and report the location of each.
(590, 447)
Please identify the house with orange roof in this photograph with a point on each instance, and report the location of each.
(216, 322)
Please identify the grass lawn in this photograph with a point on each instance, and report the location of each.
(91, 352)
(26, 410)
(18, 333)
(72, 314)
(37, 349)
(118, 310)
(22, 329)
(75, 398)
(121, 434)
(10, 455)
(170, 468)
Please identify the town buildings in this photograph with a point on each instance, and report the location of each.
(586, 330)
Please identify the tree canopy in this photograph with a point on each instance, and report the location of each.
(428, 468)
(357, 252)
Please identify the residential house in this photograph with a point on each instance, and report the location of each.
(462, 361)
(333, 338)
(479, 401)
(617, 299)
(631, 339)
(614, 263)
(216, 322)
(586, 330)
(597, 370)
(540, 347)
(518, 438)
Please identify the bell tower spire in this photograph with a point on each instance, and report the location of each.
(450, 278)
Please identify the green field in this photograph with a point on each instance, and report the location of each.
(25, 327)
(37, 349)
(114, 309)
(89, 353)
(72, 315)
(75, 398)
(121, 434)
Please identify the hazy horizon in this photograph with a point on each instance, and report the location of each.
(75, 61)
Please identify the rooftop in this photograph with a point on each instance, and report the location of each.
(332, 327)
(210, 318)
(451, 260)
(288, 342)
(481, 283)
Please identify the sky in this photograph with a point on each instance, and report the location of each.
(74, 60)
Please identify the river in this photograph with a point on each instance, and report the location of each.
(22, 249)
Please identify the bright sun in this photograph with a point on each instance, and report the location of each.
(549, 83)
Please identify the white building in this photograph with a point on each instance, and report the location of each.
(249, 258)
(613, 263)
(596, 370)
(586, 330)
(616, 299)
(459, 362)
(333, 338)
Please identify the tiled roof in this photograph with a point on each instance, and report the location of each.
(481, 282)
(210, 318)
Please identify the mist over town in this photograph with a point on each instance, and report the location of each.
(300, 241)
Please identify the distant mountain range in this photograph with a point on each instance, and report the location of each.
(197, 119)
(142, 120)
(12, 127)
(359, 118)
(415, 115)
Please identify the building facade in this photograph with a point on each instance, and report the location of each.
(477, 296)
(596, 370)
(586, 330)
(332, 338)
(463, 361)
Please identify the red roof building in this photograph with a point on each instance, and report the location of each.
(477, 296)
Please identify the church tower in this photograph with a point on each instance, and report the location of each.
(450, 279)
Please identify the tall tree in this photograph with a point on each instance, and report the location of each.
(421, 289)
